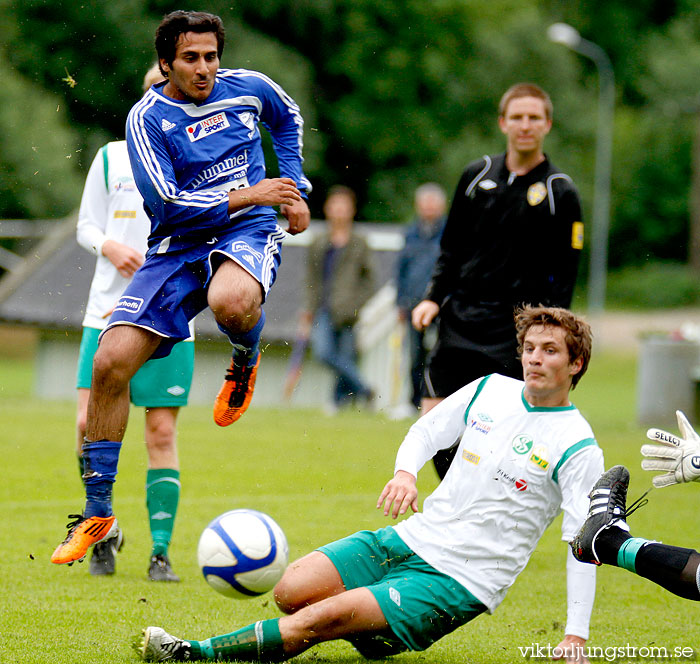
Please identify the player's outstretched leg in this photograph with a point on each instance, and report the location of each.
(259, 642)
(604, 539)
(606, 510)
(97, 522)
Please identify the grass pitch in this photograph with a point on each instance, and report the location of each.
(319, 478)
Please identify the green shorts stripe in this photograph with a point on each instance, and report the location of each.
(160, 383)
(420, 603)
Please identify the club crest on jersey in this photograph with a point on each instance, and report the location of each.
(248, 119)
(207, 127)
(536, 193)
(522, 443)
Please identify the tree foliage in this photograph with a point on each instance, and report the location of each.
(393, 92)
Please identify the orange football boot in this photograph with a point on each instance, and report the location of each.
(82, 534)
(235, 394)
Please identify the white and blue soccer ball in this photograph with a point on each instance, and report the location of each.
(243, 553)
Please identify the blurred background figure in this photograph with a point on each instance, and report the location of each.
(513, 236)
(340, 279)
(414, 267)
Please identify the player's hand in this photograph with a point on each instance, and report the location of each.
(270, 191)
(123, 257)
(297, 215)
(677, 458)
(424, 313)
(572, 649)
(400, 492)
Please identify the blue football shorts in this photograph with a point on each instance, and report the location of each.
(420, 603)
(170, 288)
(161, 383)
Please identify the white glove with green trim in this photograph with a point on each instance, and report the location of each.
(678, 458)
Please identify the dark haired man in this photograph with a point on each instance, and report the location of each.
(506, 208)
(525, 454)
(196, 153)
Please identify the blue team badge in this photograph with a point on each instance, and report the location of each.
(250, 121)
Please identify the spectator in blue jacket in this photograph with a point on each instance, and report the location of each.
(414, 268)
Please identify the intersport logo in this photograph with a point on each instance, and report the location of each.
(207, 127)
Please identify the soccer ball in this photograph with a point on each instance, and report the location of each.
(243, 553)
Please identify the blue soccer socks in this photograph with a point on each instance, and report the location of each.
(100, 459)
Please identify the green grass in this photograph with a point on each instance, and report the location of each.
(319, 478)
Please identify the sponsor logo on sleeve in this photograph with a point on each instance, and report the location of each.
(131, 304)
(577, 235)
(207, 127)
(536, 193)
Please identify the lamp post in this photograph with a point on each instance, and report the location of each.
(562, 33)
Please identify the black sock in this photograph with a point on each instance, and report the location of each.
(608, 544)
(671, 567)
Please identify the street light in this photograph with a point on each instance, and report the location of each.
(562, 33)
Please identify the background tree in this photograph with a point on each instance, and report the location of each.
(394, 93)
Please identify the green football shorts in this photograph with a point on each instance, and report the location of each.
(420, 604)
(161, 383)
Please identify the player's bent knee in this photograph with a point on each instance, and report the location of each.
(287, 595)
(109, 367)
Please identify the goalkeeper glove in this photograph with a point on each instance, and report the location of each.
(679, 458)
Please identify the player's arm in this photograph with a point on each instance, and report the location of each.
(576, 477)
(92, 217)
(281, 116)
(436, 430)
(678, 459)
(567, 252)
(453, 243)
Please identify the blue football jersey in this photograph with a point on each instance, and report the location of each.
(186, 157)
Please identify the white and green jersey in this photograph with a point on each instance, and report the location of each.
(111, 209)
(515, 469)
